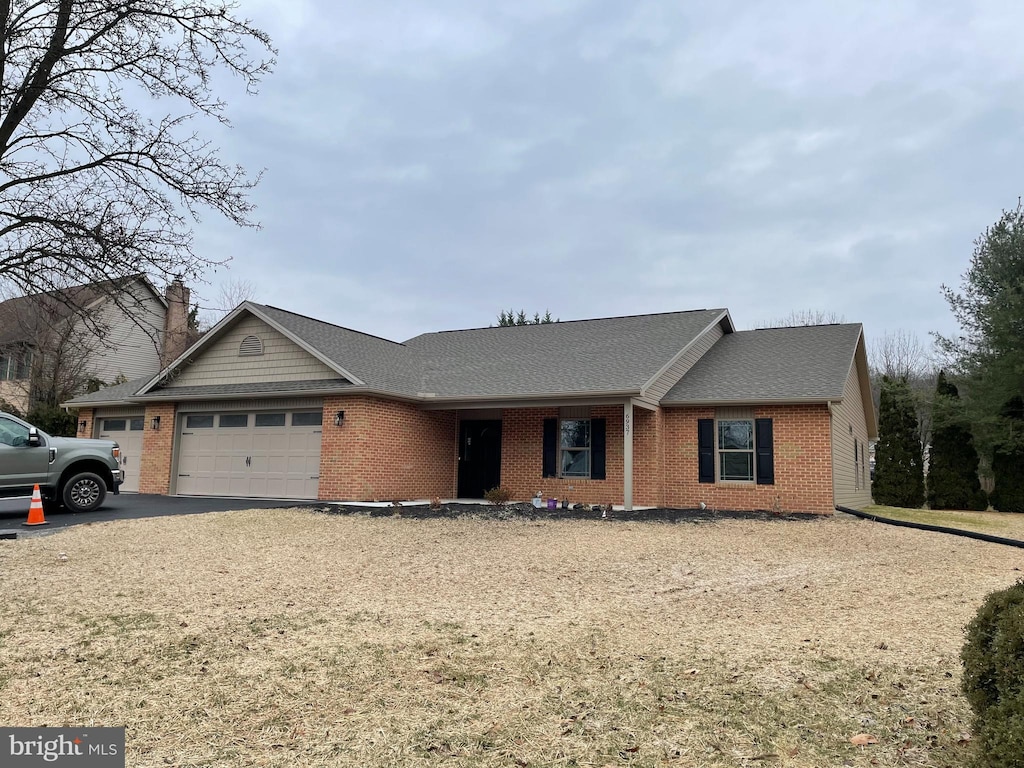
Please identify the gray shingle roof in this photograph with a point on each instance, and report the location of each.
(111, 394)
(380, 364)
(254, 388)
(24, 318)
(617, 354)
(805, 363)
(608, 355)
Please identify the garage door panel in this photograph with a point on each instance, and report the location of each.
(268, 457)
(128, 432)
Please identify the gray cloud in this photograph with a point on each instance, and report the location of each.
(427, 166)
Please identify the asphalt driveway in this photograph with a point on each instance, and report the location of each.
(127, 506)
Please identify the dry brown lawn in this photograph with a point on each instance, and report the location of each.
(288, 638)
(1006, 524)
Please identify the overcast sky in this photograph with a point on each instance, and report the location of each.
(428, 164)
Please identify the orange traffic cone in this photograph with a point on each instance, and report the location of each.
(35, 511)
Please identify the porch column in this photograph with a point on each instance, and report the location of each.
(627, 455)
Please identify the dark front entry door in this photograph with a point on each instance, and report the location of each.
(479, 458)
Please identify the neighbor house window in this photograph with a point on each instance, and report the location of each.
(856, 464)
(15, 365)
(736, 449)
(574, 448)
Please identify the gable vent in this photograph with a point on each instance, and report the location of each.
(251, 345)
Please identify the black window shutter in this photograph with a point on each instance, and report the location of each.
(706, 450)
(550, 447)
(597, 443)
(765, 451)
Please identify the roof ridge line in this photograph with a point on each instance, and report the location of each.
(578, 320)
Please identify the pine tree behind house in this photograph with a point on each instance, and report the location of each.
(899, 470)
(953, 461)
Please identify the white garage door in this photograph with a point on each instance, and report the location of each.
(273, 455)
(127, 430)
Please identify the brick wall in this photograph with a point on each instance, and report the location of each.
(386, 450)
(155, 465)
(803, 463)
(86, 415)
(648, 458)
(522, 459)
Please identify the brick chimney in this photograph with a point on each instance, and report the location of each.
(176, 333)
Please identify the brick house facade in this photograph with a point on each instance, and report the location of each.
(327, 414)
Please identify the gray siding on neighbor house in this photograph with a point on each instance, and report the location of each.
(851, 478)
(684, 363)
(131, 345)
(282, 359)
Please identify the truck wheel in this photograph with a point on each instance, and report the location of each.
(84, 492)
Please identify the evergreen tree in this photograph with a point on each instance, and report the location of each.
(953, 462)
(899, 471)
(510, 318)
(989, 351)
(1008, 461)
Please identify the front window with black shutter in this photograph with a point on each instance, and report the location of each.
(574, 448)
(735, 450)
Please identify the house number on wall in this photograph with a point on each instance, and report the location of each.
(626, 424)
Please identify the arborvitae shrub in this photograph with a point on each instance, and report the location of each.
(899, 471)
(993, 680)
(953, 463)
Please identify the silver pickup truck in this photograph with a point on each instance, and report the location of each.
(70, 471)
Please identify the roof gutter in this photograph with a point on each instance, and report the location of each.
(754, 401)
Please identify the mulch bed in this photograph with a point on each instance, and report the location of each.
(525, 511)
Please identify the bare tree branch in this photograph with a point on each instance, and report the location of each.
(804, 317)
(91, 188)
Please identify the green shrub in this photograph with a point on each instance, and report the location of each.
(993, 680)
(53, 420)
(899, 468)
(498, 496)
(1008, 494)
(953, 464)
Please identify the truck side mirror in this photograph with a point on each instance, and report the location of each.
(33, 436)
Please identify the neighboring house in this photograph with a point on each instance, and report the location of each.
(670, 409)
(56, 345)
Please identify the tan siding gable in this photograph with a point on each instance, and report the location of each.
(678, 369)
(851, 478)
(282, 360)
